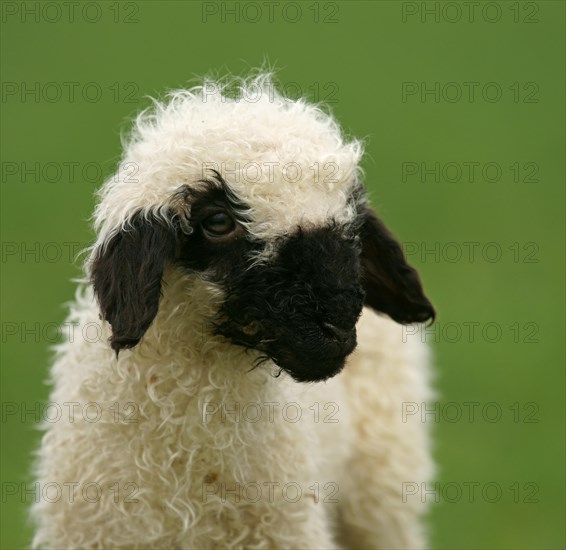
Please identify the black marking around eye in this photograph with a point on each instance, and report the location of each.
(216, 194)
(218, 259)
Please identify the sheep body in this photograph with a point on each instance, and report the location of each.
(179, 451)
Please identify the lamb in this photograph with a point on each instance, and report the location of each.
(236, 267)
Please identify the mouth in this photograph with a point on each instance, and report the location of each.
(314, 353)
(307, 356)
(314, 365)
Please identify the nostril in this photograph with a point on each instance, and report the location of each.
(337, 333)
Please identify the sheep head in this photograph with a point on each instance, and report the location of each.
(260, 196)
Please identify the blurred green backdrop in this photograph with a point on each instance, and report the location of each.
(462, 107)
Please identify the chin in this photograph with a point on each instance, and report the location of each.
(313, 371)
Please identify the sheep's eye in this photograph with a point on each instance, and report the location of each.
(218, 225)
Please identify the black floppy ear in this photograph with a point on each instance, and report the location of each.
(126, 276)
(392, 286)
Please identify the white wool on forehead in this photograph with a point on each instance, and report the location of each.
(287, 159)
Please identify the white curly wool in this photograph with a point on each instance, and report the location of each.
(191, 447)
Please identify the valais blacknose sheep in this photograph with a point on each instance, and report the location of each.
(247, 386)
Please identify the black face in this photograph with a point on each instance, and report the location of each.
(297, 305)
(301, 314)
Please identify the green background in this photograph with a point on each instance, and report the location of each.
(356, 55)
